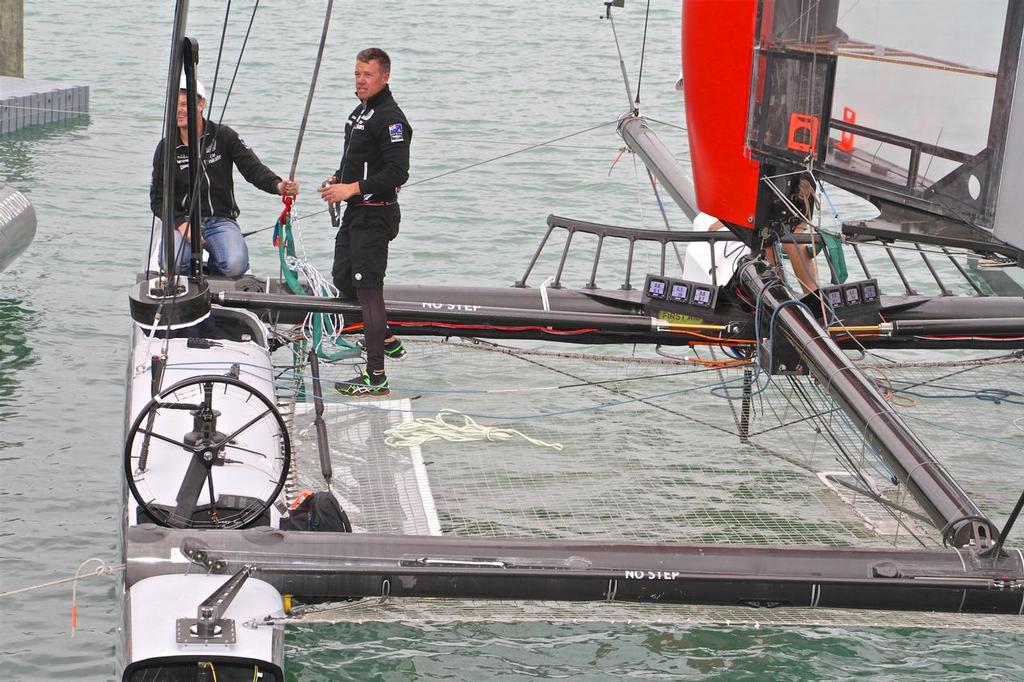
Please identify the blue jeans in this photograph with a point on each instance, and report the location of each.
(229, 254)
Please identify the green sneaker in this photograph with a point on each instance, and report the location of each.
(393, 349)
(363, 386)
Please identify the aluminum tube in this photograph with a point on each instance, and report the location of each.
(659, 160)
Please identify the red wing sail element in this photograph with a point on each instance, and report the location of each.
(717, 53)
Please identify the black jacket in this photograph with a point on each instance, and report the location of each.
(222, 147)
(376, 151)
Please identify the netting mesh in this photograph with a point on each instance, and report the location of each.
(653, 450)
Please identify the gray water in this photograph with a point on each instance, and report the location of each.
(478, 79)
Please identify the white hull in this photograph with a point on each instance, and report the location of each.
(157, 606)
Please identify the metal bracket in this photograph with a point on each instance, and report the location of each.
(188, 629)
(196, 552)
(208, 627)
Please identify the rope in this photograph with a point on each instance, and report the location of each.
(103, 569)
(423, 430)
(317, 326)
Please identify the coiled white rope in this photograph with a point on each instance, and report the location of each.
(425, 429)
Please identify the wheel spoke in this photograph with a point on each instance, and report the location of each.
(233, 446)
(166, 439)
(242, 428)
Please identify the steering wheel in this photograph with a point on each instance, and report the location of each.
(250, 462)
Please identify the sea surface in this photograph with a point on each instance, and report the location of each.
(478, 79)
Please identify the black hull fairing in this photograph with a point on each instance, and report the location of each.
(337, 566)
(598, 316)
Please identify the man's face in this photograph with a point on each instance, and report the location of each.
(183, 109)
(370, 79)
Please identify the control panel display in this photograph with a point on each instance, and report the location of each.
(656, 288)
(869, 292)
(680, 295)
(852, 295)
(702, 296)
(680, 292)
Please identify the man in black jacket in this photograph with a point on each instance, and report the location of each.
(374, 165)
(222, 148)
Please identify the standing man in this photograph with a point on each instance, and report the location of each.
(374, 166)
(221, 147)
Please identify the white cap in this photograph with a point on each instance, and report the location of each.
(200, 90)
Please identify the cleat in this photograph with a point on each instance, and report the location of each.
(363, 386)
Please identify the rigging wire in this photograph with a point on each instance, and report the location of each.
(457, 170)
(643, 52)
(330, 131)
(220, 52)
(238, 63)
(666, 123)
(845, 457)
(512, 153)
(622, 63)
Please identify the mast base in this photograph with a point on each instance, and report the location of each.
(184, 304)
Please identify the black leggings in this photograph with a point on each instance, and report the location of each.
(375, 327)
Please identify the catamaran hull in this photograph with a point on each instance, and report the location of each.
(155, 608)
(336, 566)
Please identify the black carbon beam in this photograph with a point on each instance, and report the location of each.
(942, 498)
(476, 320)
(339, 565)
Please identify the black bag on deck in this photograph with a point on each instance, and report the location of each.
(318, 512)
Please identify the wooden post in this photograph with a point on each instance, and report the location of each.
(12, 38)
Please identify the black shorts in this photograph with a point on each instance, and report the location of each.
(361, 247)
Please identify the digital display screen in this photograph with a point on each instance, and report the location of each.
(835, 298)
(852, 295)
(680, 292)
(656, 288)
(702, 296)
(870, 291)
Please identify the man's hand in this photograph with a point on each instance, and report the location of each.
(288, 188)
(338, 191)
